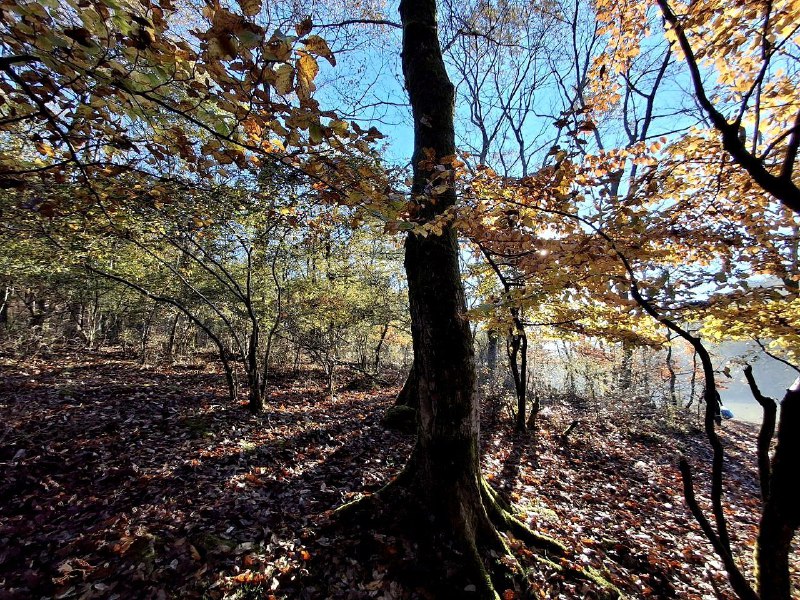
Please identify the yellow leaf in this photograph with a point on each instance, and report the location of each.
(44, 149)
(340, 127)
(307, 69)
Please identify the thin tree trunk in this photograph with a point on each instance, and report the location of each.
(491, 352)
(377, 363)
(4, 305)
(781, 514)
(766, 432)
(673, 399)
(173, 330)
(626, 368)
(255, 400)
(145, 336)
(518, 363)
(275, 324)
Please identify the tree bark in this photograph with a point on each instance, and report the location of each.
(409, 395)
(4, 305)
(445, 459)
(443, 473)
(255, 400)
(441, 484)
(491, 353)
(626, 368)
(780, 517)
(517, 347)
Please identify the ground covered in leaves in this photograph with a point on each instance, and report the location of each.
(128, 482)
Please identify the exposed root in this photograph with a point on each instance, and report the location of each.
(484, 586)
(607, 590)
(370, 502)
(477, 540)
(500, 514)
(349, 510)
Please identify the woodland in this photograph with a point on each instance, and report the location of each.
(316, 299)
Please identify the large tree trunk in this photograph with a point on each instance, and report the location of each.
(443, 473)
(445, 460)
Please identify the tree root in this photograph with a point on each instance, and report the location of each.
(485, 587)
(349, 510)
(483, 549)
(608, 591)
(500, 514)
(367, 503)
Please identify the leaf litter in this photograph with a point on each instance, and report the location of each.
(122, 482)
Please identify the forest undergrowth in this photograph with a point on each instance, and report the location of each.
(129, 482)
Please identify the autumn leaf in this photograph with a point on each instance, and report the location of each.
(319, 47)
(284, 79)
(222, 48)
(279, 48)
(80, 35)
(315, 133)
(304, 27)
(44, 149)
(307, 69)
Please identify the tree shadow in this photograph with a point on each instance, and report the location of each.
(111, 491)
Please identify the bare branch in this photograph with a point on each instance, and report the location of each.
(770, 408)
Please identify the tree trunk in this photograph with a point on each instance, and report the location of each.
(780, 517)
(173, 331)
(517, 347)
(409, 395)
(443, 472)
(255, 400)
(144, 338)
(626, 368)
(4, 305)
(377, 362)
(453, 507)
(673, 398)
(491, 353)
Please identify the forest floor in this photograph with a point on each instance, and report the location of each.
(128, 482)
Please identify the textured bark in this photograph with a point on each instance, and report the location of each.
(409, 395)
(781, 514)
(517, 348)
(441, 495)
(446, 456)
(4, 305)
(444, 470)
(765, 433)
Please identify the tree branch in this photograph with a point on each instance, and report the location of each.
(765, 433)
(781, 187)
